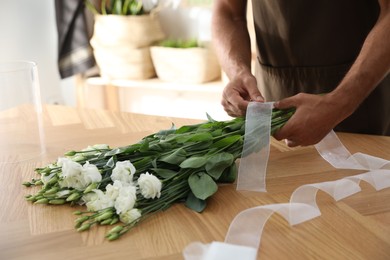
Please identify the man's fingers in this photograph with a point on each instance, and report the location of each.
(255, 95)
(291, 143)
(279, 135)
(286, 103)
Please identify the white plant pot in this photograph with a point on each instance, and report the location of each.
(185, 65)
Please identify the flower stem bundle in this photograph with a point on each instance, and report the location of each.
(125, 185)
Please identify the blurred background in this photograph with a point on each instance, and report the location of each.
(28, 32)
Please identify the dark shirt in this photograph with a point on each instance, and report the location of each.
(308, 46)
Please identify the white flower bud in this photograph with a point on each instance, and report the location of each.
(100, 146)
(91, 150)
(62, 193)
(47, 178)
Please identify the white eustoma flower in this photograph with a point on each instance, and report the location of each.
(98, 200)
(70, 173)
(76, 176)
(123, 172)
(61, 160)
(91, 200)
(150, 186)
(112, 190)
(126, 199)
(130, 216)
(91, 173)
(90, 196)
(69, 168)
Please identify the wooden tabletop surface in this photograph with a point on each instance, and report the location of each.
(357, 227)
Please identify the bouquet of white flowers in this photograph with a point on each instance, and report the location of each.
(127, 184)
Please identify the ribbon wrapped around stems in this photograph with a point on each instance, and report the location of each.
(255, 152)
(243, 237)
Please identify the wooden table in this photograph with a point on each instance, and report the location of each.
(357, 227)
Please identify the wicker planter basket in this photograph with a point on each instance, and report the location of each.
(122, 45)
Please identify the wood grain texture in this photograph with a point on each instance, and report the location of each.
(357, 227)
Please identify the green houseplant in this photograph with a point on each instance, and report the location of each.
(119, 7)
(123, 33)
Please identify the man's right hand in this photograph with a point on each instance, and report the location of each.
(238, 93)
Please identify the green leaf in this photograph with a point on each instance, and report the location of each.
(146, 161)
(209, 125)
(199, 146)
(180, 138)
(233, 127)
(165, 173)
(186, 129)
(202, 185)
(162, 146)
(144, 146)
(154, 162)
(190, 137)
(210, 118)
(193, 137)
(117, 8)
(200, 137)
(216, 132)
(194, 162)
(226, 141)
(136, 7)
(125, 7)
(194, 203)
(176, 157)
(217, 163)
(131, 148)
(229, 175)
(164, 133)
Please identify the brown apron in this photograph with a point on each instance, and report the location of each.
(308, 46)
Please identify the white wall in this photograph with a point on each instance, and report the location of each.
(185, 22)
(28, 32)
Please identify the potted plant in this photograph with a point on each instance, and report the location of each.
(123, 33)
(185, 61)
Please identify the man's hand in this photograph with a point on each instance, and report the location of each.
(238, 93)
(232, 44)
(314, 118)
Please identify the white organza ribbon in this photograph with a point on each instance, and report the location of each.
(244, 234)
(254, 158)
(335, 153)
(218, 251)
